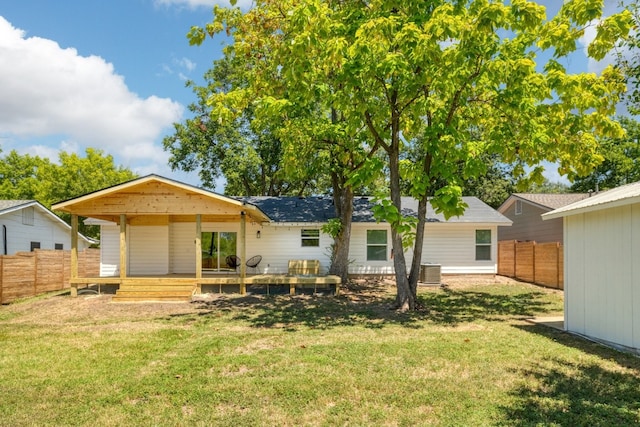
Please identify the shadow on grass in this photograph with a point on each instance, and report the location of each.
(369, 305)
(452, 307)
(585, 392)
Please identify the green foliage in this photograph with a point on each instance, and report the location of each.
(251, 160)
(628, 58)
(332, 227)
(32, 177)
(434, 85)
(621, 163)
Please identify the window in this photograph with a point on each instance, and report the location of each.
(483, 245)
(58, 246)
(518, 207)
(34, 246)
(376, 245)
(27, 216)
(310, 238)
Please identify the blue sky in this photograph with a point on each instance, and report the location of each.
(109, 74)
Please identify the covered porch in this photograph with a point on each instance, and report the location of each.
(160, 254)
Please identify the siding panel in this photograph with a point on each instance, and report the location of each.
(148, 250)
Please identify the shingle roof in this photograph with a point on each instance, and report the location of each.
(552, 201)
(623, 195)
(9, 204)
(320, 209)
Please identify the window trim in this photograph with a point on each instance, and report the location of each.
(518, 207)
(377, 245)
(310, 241)
(484, 244)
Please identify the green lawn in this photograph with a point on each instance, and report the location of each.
(471, 360)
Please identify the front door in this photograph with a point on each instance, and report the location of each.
(216, 247)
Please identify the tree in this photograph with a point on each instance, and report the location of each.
(434, 85)
(628, 59)
(34, 178)
(621, 163)
(249, 160)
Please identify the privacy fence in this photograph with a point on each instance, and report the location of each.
(540, 263)
(27, 274)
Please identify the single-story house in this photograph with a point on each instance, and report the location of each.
(154, 226)
(26, 225)
(524, 210)
(602, 273)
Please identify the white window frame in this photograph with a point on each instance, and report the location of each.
(518, 207)
(483, 244)
(310, 238)
(378, 245)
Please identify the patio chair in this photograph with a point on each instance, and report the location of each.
(253, 262)
(233, 261)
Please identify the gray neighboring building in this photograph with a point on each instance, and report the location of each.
(525, 210)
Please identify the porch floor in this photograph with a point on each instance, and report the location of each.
(181, 287)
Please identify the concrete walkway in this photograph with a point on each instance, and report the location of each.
(556, 322)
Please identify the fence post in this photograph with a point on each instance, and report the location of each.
(35, 272)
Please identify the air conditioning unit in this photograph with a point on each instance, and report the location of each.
(430, 274)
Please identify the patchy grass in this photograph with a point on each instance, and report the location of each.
(470, 359)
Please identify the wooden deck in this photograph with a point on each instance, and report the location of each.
(182, 287)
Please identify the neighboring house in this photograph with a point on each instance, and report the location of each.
(154, 226)
(26, 225)
(524, 210)
(602, 273)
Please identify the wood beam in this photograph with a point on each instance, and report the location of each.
(74, 254)
(123, 246)
(198, 250)
(243, 252)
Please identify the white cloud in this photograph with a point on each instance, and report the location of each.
(193, 4)
(47, 90)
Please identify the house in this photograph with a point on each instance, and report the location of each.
(524, 210)
(154, 226)
(26, 225)
(602, 274)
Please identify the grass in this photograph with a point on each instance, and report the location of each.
(471, 359)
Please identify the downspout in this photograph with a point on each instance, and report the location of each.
(4, 238)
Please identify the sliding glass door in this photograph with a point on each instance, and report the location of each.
(216, 247)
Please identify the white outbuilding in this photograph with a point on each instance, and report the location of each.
(602, 266)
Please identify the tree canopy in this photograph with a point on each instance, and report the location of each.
(434, 86)
(26, 177)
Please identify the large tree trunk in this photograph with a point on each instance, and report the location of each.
(343, 202)
(405, 297)
(414, 275)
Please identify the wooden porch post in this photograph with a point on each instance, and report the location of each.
(243, 252)
(74, 254)
(123, 246)
(198, 253)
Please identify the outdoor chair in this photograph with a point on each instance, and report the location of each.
(233, 261)
(253, 262)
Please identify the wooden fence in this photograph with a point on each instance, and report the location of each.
(540, 263)
(27, 274)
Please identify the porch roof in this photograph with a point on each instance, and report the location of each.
(153, 196)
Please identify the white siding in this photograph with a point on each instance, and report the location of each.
(453, 246)
(109, 250)
(279, 244)
(602, 277)
(148, 249)
(46, 230)
(182, 257)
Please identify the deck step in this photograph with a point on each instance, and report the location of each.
(149, 298)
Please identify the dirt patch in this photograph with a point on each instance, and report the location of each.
(92, 309)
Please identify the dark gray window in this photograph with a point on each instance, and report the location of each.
(483, 245)
(376, 245)
(310, 238)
